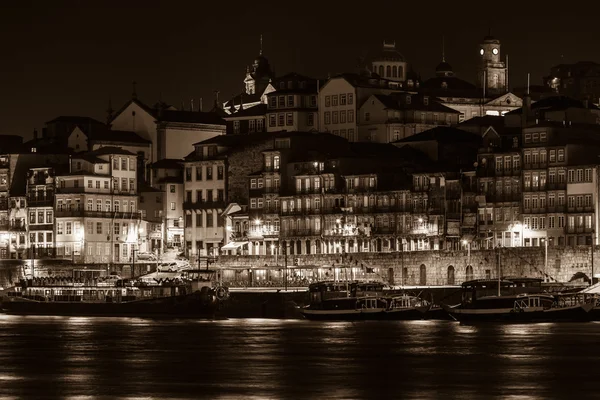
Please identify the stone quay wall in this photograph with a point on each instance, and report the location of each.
(408, 268)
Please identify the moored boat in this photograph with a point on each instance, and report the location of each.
(519, 300)
(193, 293)
(362, 301)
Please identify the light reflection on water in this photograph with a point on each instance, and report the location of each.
(64, 357)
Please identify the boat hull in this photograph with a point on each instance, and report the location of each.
(577, 313)
(407, 314)
(189, 305)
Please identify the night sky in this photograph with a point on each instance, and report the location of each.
(69, 57)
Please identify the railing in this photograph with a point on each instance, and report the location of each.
(300, 232)
(40, 202)
(188, 205)
(98, 214)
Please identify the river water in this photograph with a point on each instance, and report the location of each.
(67, 357)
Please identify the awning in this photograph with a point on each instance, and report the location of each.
(233, 245)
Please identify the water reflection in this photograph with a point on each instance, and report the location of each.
(139, 358)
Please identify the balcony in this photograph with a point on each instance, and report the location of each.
(17, 226)
(540, 188)
(538, 165)
(300, 232)
(41, 227)
(98, 214)
(40, 201)
(556, 209)
(203, 205)
(588, 209)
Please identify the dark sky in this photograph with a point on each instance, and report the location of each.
(68, 57)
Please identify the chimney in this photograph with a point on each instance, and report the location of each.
(35, 134)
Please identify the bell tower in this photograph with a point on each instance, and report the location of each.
(492, 72)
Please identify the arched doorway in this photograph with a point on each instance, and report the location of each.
(422, 275)
(451, 275)
(469, 273)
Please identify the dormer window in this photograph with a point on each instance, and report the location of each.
(408, 99)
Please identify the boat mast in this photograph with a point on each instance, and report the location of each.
(498, 273)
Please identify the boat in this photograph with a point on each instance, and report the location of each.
(517, 299)
(362, 301)
(189, 293)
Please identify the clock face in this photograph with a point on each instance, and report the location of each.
(495, 51)
(481, 51)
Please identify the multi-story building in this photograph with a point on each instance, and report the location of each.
(216, 174)
(580, 80)
(97, 217)
(247, 121)
(40, 210)
(152, 209)
(340, 99)
(167, 177)
(387, 118)
(293, 104)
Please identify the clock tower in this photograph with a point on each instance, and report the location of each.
(492, 74)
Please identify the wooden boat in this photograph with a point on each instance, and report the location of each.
(365, 301)
(519, 299)
(193, 293)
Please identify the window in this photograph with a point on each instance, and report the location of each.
(335, 117)
(579, 175)
(281, 119)
(327, 117)
(342, 117)
(124, 164)
(542, 136)
(334, 100)
(289, 120)
(350, 115)
(281, 101)
(172, 188)
(290, 101)
(310, 119)
(350, 98)
(552, 156)
(252, 125)
(327, 101)
(188, 174)
(116, 163)
(272, 120)
(173, 205)
(260, 125)
(561, 155)
(367, 116)
(209, 173)
(588, 174)
(272, 102)
(220, 172)
(90, 184)
(527, 138)
(342, 99)
(236, 126)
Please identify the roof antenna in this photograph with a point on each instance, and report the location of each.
(528, 84)
(134, 93)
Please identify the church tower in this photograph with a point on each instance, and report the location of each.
(492, 71)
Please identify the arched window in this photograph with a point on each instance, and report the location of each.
(422, 275)
(395, 71)
(400, 71)
(495, 80)
(381, 70)
(469, 274)
(451, 275)
(388, 71)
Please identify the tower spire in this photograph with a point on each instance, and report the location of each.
(261, 45)
(109, 110)
(443, 50)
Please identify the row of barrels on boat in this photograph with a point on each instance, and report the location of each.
(516, 299)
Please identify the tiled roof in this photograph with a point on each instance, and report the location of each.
(119, 136)
(110, 150)
(442, 134)
(168, 163)
(555, 103)
(245, 98)
(90, 158)
(257, 110)
(397, 101)
(445, 86)
(191, 117)
(75, 120)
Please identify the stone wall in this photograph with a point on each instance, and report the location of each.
(563, 264)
